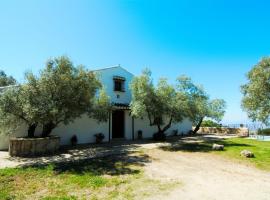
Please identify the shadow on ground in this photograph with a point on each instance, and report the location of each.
(120, 164)
(112, 159)
(198, 144)
(77, 159)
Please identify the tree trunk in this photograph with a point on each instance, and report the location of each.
(160, 135)
(198, 126)
(47, 129)
(159, 129)
(31, 130)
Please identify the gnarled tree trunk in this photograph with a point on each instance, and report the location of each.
(31, 130)
(47, 129)
(198, 126)
(160, 135)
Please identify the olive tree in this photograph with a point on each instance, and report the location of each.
(59, 94)
(256, 92)
(68, 92)
(17, 107)
(162, 104)
(200, 105)
(6, 80)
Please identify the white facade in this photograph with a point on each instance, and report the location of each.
(85, 128)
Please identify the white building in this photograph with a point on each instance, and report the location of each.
(116, 81)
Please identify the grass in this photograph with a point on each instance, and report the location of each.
(114, 177)
(261, 150)
(233, 147)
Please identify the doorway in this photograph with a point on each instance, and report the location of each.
(118, 124)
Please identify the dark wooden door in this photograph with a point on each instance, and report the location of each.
(118, 124)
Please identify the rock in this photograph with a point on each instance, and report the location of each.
(247, 154)
(218, 147)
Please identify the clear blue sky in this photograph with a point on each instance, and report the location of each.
(214, 42)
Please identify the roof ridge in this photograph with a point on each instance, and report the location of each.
(105, 68)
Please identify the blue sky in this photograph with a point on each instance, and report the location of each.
(214, 42)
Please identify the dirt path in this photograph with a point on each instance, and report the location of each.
(207, 176)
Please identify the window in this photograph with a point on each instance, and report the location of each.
(119, 84)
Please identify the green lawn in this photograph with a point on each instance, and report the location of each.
(114, 177)
(261, 150)
(233, 147)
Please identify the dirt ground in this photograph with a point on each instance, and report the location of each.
(205, 176)
(201, 175)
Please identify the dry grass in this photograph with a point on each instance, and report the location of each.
(113, 177)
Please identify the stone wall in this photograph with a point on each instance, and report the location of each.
(26, 147)
(243, 132)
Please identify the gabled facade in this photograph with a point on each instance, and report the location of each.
(116, 81)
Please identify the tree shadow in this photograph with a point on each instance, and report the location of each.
(187, 147)
(199, 144)
(109, 165)
(102, 160)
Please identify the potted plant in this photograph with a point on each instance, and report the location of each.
(139, 134)
(99, 137)
(74, 140)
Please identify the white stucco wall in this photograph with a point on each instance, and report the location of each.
(84, 128)
(128, 125)
(143, 124)
(106, 77)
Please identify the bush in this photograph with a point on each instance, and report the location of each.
(73, 140)
(210, 123)
(265, 131)
(99, 137)
(159, 136)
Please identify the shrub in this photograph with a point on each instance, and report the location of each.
(210, 123)
(99, 137)
(73, 140)
(265, 131)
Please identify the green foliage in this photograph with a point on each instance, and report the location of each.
(210, 123)
(200, 106)
(17, 107)
(101, 106)
(66, 92)
(6, 80)
(256, 92)
(60, 94)
(265, 131)
(163, 104)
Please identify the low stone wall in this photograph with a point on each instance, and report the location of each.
(242, 132)
(26, 147)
